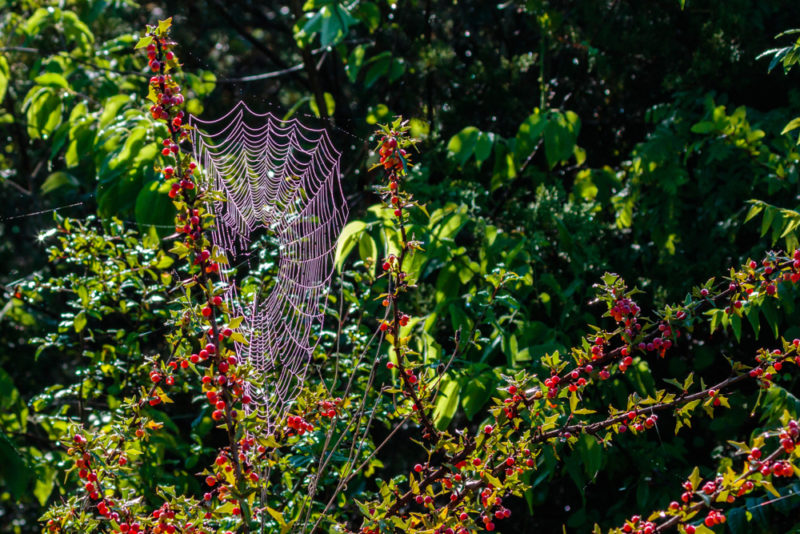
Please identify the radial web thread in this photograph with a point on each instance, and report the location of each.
(283, 178)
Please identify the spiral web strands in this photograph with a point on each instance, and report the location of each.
(283, 178)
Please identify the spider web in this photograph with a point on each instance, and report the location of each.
(283, 179)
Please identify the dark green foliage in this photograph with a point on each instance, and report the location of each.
(560, 140)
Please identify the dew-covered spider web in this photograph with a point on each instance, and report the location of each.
(281, 185)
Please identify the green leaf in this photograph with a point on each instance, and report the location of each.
(276, 515)
(704, 127)
(14, 472)
(111, 109)
(446, 402)
(476, 394)
(367, 248)
(483, 147)
(462, 145)
(5, 76)
(330, 105)
(79, 323)
(332, 23)
(52, 79)
(154, 209)
(44, 483)
(754, 210)
(58, 180)
(770, 310)
(694, 478)
(559, 138)
(736, 325)
(793, 124)
(350, 236)
(752, 317)
(44, 109)
(766, 221)
(354, 62)
(369, 14)
(528, 137)
(379, 65)
(143, 42)
(164, 25)
(591, 455)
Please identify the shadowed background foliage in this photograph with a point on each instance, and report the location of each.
(559, 140)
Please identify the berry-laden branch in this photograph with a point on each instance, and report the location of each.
(395, 160)
(536, 412)
(726, 487)
(223, 388)
(202, 343)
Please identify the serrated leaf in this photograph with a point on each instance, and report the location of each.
(164, 25)
(694, 478)
(143, 42)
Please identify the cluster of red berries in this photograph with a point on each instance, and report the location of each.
(152, 54)
(165, 518)
(168, 96)
(552, 384)
(185, 183)
(625, 310)
(773, 360)
(790, 437)
(394, 160)
(714, 518)
(779, 469)
(635, 525)
(224, 467)
(213, 302)
(687, 495)
(91, 483)
(392, 157)
(662, 343)
(299, 425)
(638, 422)
(155, 376)
(511, 404)
(328, 408)
(794, 277)
(493, 510)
